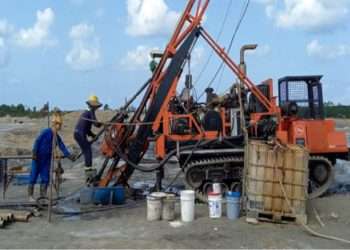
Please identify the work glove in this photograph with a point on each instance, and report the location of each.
(90, 174)
(93, 136)
(98, 124)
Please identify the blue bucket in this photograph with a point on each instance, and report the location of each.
(87, 195)
(118, 195)
(102, 195)
(233, 205)
(21, 179)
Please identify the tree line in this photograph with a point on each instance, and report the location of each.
(21, 110)
(336, 111)
(330, 109)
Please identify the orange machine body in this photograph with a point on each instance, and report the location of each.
(318, 136)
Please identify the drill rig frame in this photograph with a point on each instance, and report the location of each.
(204, 154)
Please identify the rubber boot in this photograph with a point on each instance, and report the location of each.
(43, 190)
(90, 173)
(31, 192)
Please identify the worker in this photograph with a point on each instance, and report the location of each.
(83, 131)
(211, 95)
(42, 155)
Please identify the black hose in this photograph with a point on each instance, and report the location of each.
(163, 162)
(184, 165)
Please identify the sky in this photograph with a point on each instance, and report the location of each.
(64, 51)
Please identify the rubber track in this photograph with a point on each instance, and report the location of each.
(206, 163)
(321, 190)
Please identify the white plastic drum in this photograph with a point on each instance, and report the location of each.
(187, 205)
(215, 205)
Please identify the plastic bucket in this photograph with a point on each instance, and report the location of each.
(233, 205)
(217, 188)
(215, 205)
(118, 195)
(86, 195)
(154, 208)
(168, 210)
(102, 195)
(187, 205)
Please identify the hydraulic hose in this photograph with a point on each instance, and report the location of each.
(184, 165)
(164, 161)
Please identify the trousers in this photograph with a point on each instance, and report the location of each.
(41, 167)
(85, 147)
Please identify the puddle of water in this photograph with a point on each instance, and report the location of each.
(341, 182)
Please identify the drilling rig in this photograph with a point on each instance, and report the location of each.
(208, 138)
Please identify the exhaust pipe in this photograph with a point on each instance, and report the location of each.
(244, 48)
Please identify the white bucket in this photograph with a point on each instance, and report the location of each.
(154, 208)
(217, 188)
(215, 205)
(168, 211)
(187, 205)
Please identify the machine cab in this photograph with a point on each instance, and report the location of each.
(301, 96)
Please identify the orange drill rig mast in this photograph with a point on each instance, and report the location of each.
(206, 147)
(158, 96)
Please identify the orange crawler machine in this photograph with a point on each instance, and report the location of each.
(206, 137)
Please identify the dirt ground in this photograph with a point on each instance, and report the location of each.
(17, 134)
(128, 228)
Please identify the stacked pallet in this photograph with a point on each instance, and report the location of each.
(8, 216)
(277, 181)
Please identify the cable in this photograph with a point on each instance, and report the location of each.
(217, 39)
(184, 165)
(243, 14)
(162, 163)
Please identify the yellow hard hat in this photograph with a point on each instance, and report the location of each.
(93, 101)
(56, 119)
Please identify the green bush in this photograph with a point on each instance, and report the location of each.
(20, 110)
(338, 111)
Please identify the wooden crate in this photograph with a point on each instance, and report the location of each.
(266, 166)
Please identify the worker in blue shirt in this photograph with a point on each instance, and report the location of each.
(83, 131)
(42, 155)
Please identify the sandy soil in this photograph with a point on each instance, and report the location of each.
(18, 134)
(128, 228)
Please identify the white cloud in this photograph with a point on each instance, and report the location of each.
(197, 56)
(316, 49)
(150, 17)
(309, 15)
(137, 58)
(85, 54)
(6, 30)
(81, 31)
(39, 34)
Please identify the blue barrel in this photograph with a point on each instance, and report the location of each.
(102, 195)
(118, 195)
(87, 195)
(233, 205)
